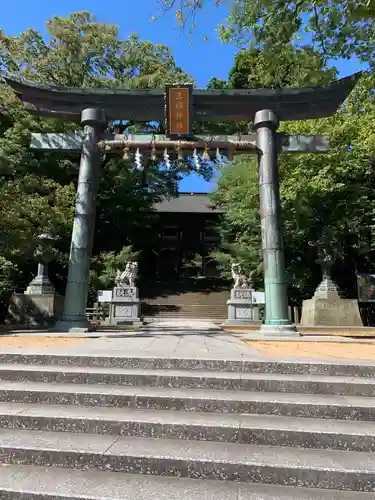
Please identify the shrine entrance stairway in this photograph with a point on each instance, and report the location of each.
(153, 427)
(190, 299)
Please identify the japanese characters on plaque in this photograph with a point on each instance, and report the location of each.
(124, 292)
(178, 110)
(242, 294)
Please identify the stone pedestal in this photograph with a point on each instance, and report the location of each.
(328, 308)
(39, 305)
(124, 306)
(241, 309)
(34, 309)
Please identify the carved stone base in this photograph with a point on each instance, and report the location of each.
(330, 312)
(70, 326)
(328, 308)
(34, 310)
(40, 285)
(277, 331)
(124, 307)
(241, 309)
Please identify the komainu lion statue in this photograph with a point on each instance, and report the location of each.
(128, 276)
(240, 279)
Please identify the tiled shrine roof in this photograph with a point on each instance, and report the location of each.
(187, 203)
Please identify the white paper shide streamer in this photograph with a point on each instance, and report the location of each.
(196, 161)
(138, 160)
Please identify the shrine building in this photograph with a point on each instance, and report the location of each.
(186, 280)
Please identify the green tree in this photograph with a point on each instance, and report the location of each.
(290, 67)
(333, 27)
(327, 199)
(254, 69)
(81, 52)
(106, 265)
(237, 195)
(37, 189)
(8, 273)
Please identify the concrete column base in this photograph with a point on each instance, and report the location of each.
(71, 326)
(276, 331)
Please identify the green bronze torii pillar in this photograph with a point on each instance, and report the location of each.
(275, 285)
(74, 313)
(264, 107)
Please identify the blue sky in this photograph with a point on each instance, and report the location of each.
(202, 59)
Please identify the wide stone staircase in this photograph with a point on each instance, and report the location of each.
(203, 305)
(141, 428)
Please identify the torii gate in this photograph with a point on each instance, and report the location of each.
(182, 104)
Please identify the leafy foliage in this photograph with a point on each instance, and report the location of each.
(7, 281)
(80, 52)
(237, 195)
(291, 67)
(104, 269)
(327, 199)
(335, 28)
(37, 189)
(106, 264)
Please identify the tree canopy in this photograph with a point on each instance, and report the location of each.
(327, 199)
(292, 67)
(37, 189)
(334, 28)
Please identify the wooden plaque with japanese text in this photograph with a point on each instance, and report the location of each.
(178, 111)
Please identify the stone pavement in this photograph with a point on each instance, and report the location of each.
(181, 338)
(189, 339)
(170, 338)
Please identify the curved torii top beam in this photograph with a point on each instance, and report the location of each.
(148, 105)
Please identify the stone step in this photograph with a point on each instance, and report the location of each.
(185, 314)
(210, 363)
(241, 428)
(272, 382)
(182, 305)
(152, 314)
(191, 298)
(197, 400)
(194, 312)
(40, 483)
(325, 469)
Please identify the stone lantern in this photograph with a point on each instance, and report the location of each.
(39, 305)
(41, 284)
(327, 307)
